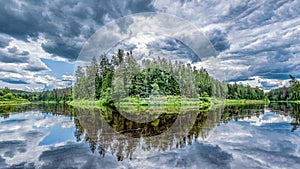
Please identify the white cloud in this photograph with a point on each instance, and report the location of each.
(263, 35)
(68, 78)
(34, 47)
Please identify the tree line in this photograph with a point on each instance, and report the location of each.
(236, 91)
(123, 77)
(55, 95)
(291, 93)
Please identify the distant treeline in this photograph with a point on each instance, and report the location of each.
(236, 91)
(7, 97)
(55, 95)
(291, 93)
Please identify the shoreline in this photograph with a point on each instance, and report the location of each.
(202, 103)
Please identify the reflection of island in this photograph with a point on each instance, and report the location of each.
(288, 109)
(236, 112)
(107, 130)
(62, 109)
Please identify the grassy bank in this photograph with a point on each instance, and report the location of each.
(285, 101)
(168, 101)
(245, 101)
(86, 103)
(12, 102)
(10, 98)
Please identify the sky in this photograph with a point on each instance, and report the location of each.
(257, 42)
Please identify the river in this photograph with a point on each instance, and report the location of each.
(237, 136)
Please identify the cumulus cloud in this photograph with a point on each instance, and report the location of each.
(259, 35)
(67, 78)
(147, 46)
(54, 29)
(65, 25)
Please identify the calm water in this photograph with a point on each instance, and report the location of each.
(58, 136)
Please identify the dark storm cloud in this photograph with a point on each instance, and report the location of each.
(66, 25)
(13, 80)
(12, 49)
(218, 40)
(4, 40)
(137, 6)
(173, 47)
(2, 162)
(166, 44)
(12, 58)
(35, 68)
(10, 148)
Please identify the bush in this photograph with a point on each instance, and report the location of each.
(9, 96)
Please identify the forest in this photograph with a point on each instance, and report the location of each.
(123, 78)
(291, 93)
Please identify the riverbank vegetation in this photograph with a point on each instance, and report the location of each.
(6, 97)
(286, 94)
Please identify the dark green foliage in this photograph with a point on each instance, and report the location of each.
(236, 91)
(154, 81)
(8, 96)
(57, 95)
(291, 93)
(123, 77)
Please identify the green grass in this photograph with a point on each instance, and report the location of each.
(86, 103)
(10, 98)
(166, 102)
(285, 101)
(245, 101)
(12, 102)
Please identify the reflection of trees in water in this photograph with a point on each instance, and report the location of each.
(288, 109)
(236, 112)
(108, 130)
(54, 109)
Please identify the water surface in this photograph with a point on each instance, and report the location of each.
(59, 136)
